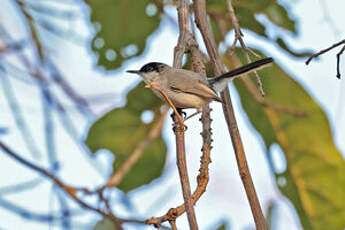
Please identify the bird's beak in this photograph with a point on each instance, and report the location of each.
(133, 71)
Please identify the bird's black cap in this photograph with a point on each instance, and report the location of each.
(149, 67)
(152, 66)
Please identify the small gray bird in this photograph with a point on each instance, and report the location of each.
(187, 89)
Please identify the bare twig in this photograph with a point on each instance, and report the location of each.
(201, 20)
(338, 61)
(328, 49)
(238, 37)
(154, 86)
(324, 51)
(136, 154)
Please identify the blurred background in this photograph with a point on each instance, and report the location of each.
(67, 105)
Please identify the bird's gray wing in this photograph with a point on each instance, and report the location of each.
(193, 83)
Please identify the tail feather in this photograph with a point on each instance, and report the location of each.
(220, 82)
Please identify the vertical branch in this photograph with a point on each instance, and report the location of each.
(201, 20)
(180, 49)
(182, 168)
(181, 159)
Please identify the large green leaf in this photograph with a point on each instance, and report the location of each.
(121, 130)
(122, 28)
(314, 179)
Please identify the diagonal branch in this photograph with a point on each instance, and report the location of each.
(324, 51)
(201, 20)
(328, 49)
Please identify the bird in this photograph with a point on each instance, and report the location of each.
(188, 89)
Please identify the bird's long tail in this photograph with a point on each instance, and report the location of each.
(220, 82)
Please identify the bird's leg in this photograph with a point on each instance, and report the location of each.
(153, 85)
(192, 115)
(181, 112)
(183, 115)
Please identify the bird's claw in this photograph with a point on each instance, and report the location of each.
(174, 128)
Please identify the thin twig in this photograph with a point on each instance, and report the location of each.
(154, 86)
(338, 61)
(201, 20)
(324, 51)
(180, 49)
(238, 37)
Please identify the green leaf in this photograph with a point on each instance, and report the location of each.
(248, 21)
(121, 130)
(278, 15)
(314, 179)
(122, 28)
(104, 224)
